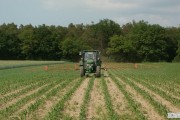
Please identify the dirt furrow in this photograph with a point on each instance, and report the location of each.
(43, 110)
(120, 104)
(158, 98)
(15, 91)
(21, 97)
(163, 89)
(147, 108)
(167, 92)
(72, 107)
(34, 100)
(97, 107)
(22, 88)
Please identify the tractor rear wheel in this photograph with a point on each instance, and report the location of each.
(82, 71)
(98, 71)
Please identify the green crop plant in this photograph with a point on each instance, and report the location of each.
(158, 106)
(9, 110)
(56, 112)
(42, 100)
(133, 105)
(82, 115)
(111, 113)
(163, 94)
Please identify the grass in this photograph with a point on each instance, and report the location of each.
(15, 64)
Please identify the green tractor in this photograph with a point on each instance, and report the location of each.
(90, 63)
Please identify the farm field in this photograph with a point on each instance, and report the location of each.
(145, 91)
(21, 63)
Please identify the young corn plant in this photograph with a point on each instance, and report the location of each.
(162, 110)
(56, 112)
(133, 105)
(111, 113)
(82, 115)
(41, 101)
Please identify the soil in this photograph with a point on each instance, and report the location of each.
(119, 102)
(158, 98)
(97, 108)
(72, 107)
(146, 107)
(21, 97)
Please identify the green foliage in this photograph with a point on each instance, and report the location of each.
(82, 114)
(9, 42)
(143, 42)
(177, 58)
(112, 115)
(133, 42)
(122, 49)
(71, 48)
(161, 79)
(134, 106)
(56, 112)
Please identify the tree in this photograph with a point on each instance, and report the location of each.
(122, 49)
(9, 42)
(28, 43)
(71, 48)
(103, 31)
(177, 58)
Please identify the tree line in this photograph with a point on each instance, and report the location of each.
(131, 42)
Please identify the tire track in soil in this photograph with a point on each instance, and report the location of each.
(72, 107)
(21, 97)
(97, 107)
(43, 110)
(158, 98)
(147, 109)
(119, 101)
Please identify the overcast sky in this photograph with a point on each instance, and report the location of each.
(63, 12)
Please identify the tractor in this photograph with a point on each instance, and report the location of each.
(90, 63)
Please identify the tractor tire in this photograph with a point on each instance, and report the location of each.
(82, 71)
(98, 71)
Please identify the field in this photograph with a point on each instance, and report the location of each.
(146, 91)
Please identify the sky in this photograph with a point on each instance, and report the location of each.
(63, 12)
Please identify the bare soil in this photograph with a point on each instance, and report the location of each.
(14, 91)
(167, 92)
(146, 107)
(158, 98)
(97, 108)
(21, 97)
(43, 110)
(119, 102)
(34, 100)
(72, 107)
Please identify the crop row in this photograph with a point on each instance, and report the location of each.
(86, 100)
(134, 106)
(40, 101)
(154, 88)
(108, 100)
(14, 107)
(56, 112)
(162, 110)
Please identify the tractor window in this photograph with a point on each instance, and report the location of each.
(89, 55)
